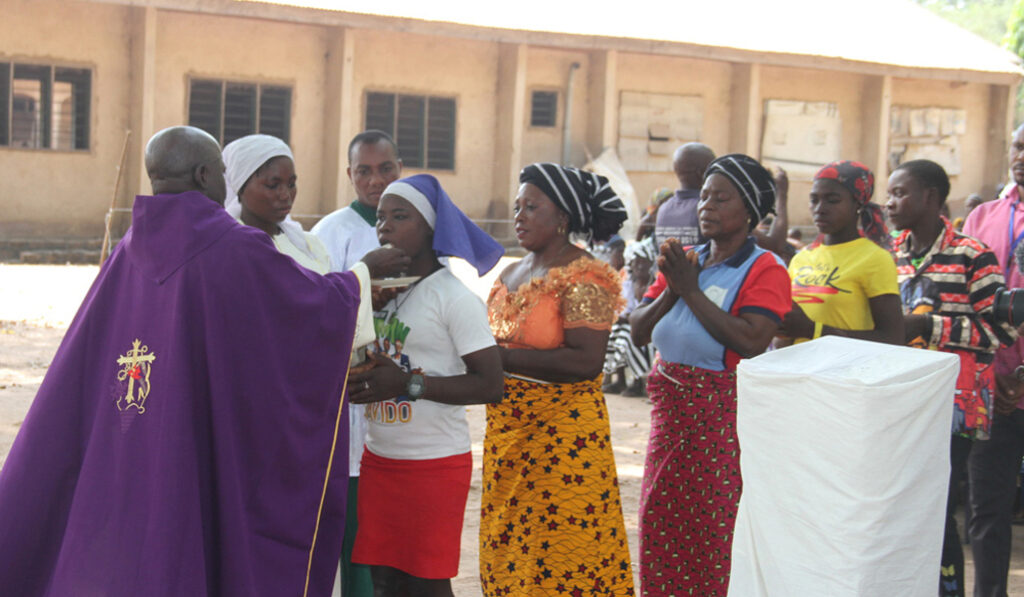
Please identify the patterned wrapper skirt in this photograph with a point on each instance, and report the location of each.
(551, 520)
(691, 486)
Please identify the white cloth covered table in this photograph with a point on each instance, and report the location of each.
(845, 462)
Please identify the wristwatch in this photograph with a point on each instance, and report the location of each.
(414, 389)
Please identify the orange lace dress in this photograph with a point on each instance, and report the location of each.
(551, 520)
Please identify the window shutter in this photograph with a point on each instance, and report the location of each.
(204, 106)
(409, 134)
(71, 123)
(441, 133)
(275, 111)
(5, 103)
(544, 108)
(239, 111)
(380, 112)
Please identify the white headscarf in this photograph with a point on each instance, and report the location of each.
(242, 158)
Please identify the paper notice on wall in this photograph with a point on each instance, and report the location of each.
(930, 133)
(899, 122)
(918, 126)
(945, 153)
(801, 136)
(652, 125)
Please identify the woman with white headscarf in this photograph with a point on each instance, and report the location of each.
(260, 175)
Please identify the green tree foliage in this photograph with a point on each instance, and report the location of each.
(985, 18)
(1014, 37)
(998, 21)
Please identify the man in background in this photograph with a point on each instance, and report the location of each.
(677, 216)
(349, 233)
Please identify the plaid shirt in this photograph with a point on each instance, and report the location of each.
(954, 284)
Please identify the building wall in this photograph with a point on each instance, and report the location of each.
(678, 76)
(548, 70)
(463, 69)
(250, 51)
(52, 193)
(844, 89)
(65, 193)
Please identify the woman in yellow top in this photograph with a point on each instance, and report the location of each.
(551, 521)
(844, 284)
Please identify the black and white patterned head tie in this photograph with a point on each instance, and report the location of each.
(753, 181)
(595, 211)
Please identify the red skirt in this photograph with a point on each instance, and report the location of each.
(410, 513)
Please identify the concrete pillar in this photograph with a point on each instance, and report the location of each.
(603, 108)
(1001, 121)
(746, 111)
(142, 116)
(341, 119)
(508, 138)
(874, 141)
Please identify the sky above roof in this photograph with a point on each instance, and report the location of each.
(897, 32)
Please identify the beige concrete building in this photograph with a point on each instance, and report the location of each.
(472, 97)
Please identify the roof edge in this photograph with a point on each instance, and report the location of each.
(262, 10)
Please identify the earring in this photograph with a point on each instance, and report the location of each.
(561, 229)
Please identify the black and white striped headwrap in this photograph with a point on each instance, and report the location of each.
(594, 209)
(753, 181)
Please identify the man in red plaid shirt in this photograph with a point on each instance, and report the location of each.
(948, 283)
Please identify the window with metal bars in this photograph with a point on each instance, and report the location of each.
(229, 110)
(44, 106)
(544, 108)
(422, 126)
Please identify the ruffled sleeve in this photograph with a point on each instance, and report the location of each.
(591, 294)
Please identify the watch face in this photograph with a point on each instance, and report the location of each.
(415, 388)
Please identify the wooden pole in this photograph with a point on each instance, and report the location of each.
(105, 247)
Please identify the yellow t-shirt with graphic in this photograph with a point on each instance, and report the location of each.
(833, 283)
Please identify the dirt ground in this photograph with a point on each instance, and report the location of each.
(37, 303)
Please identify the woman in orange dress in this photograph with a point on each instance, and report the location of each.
(551, 521)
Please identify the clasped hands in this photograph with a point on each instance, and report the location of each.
(680, 267)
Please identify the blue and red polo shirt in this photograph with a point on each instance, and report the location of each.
(753, 280)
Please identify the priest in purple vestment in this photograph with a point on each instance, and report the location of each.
(189, 437)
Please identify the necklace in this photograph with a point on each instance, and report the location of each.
(533, 272)
(405, 298)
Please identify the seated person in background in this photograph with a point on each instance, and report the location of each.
(611, 252)
(621, 352)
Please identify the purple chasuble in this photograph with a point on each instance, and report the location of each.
(188, 438)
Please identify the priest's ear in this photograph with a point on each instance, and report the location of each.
(208, 177)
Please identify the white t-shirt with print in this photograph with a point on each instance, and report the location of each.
(428, 327)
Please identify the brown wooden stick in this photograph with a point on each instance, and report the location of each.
(105, 247)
